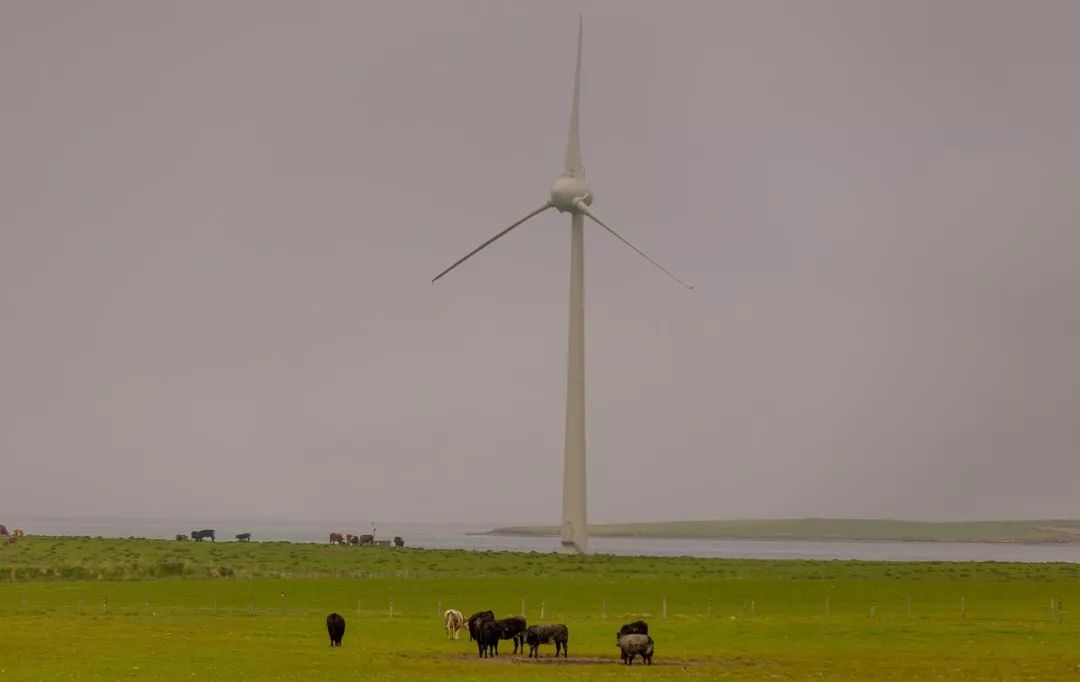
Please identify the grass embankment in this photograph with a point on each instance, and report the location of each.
(150, 609)
(1037, 531)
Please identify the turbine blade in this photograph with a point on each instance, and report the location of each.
(470, 254)
(573, 167)
(583, 207)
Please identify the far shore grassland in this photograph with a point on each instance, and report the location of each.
(105, 609)
(880, 530)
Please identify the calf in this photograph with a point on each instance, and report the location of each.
(535, 635)
(243, 537)
(636, 645)
(335, 625)
(453, 621)
(351, 539)
(474, 623)
(398, 541)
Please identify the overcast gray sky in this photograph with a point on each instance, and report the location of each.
(219, 222)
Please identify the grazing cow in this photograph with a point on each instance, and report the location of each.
(514, 628)
(535, 635)
(453, 621)
(367, 539)
(491, 631)
(180, 537)
(200, 535)
(351, 539)
(335, 625)
(636, 645)
(337, 539)
(243, 537)
(398, 541)
(474, 623)
(638, 627)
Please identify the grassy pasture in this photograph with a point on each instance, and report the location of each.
(105, 609)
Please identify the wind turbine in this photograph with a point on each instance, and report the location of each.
(571, 195)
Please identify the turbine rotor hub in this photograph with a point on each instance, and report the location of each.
(568, 191)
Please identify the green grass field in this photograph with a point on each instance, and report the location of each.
(93, 609)
(1045, 530)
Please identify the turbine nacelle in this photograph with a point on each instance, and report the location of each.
(568, 191)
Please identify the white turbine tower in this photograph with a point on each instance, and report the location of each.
(571, 195)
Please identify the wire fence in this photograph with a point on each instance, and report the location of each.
(1051, 610)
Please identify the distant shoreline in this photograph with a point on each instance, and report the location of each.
(1029, 532)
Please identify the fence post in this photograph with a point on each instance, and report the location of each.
(828, 608)
(105, 605)
(391, 608)
(541, 610)
(251, 605)
(283, 603)
(663, 607)
(753, 608)
(710, 608)
(873, 610)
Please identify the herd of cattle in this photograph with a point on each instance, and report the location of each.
(367, 539)
(632, 639)
(10, 538)
(335, 538)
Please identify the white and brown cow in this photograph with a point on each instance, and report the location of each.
(454, 622)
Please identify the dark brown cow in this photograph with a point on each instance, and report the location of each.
(535, 635)
(335, 625)
(337, 539)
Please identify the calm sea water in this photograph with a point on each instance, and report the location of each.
(450, 536)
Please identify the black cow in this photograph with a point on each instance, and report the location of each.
(535, 635)
(367, 539)
(487, 637)
(514, 628)
(638, 627)
(243, 537)
(335, 625)
(200, 535)
(491, 631)
(398, 541)
(474, 623)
